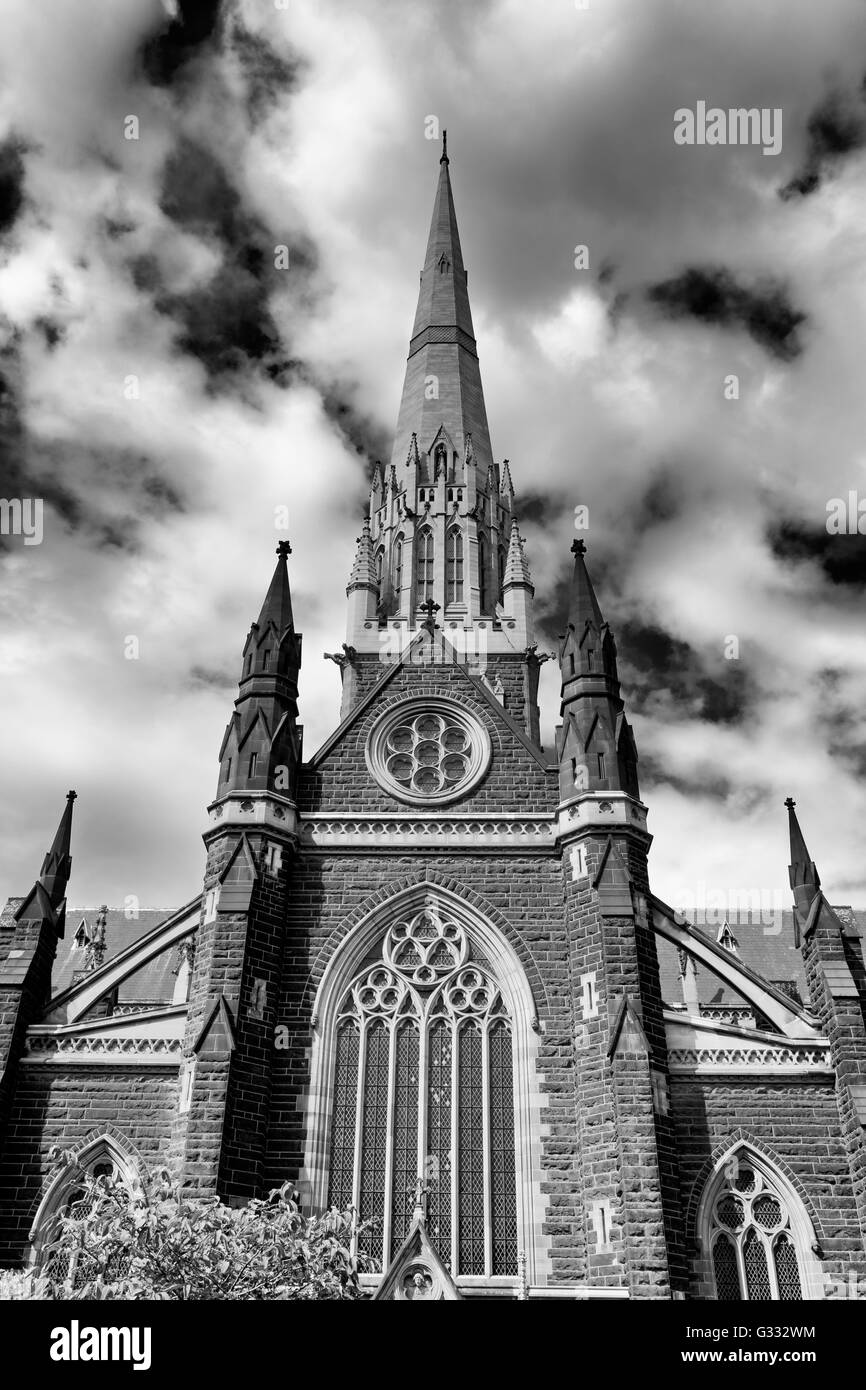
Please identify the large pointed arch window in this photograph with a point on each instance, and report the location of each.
(756, 1233)
(72, 1194)
(454, 566)
(423, 1088)
(424, 565)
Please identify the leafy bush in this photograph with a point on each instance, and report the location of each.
(155, 1243)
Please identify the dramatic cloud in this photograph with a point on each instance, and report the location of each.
(11, 183)
(836, 128)
(166, 387)
(712, 296)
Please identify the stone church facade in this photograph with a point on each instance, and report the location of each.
(426, 975)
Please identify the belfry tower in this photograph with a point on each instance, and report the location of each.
(441, 537)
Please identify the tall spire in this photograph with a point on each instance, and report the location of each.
(802, 872)
(46, 901)
(516, 564)
(582, 602)
(595, 744)
(442, 388)
(262, 736)
(277, 607)
(57, 863)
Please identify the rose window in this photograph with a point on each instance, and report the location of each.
(428, 751)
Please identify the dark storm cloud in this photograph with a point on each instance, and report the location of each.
(840, 724)
(836, 128)
(841, 558)
(703, 782)
(711, 295)
(11, 422)
(201, 677)
(160, 496)
(537, 508)
(227, 323)
(269, 77)
(657, 668)
(53, 332)
(661, 502)
(11, 182)
(165, 55)
(369, 439)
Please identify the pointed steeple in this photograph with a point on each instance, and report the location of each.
(516, 566)
(363, 574)
(277, 607)
(444, 298)
(802, 873)
(46, 901)
(595, 744)
(263, 736)
(57, 863)
(442, 386)
(582, 602)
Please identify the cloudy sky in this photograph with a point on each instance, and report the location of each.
(164, 388)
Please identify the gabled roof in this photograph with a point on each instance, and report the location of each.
(477, 686)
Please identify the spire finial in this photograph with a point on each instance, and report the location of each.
(72, 796)
(283, 548)
(578, 547)
(444, 158)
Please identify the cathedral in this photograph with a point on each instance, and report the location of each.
(424, 974)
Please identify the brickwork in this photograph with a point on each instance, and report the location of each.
(796, 1125)
(65, 1106)
(341, 781)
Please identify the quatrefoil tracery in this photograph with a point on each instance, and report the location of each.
(425, 971)
(426, 949)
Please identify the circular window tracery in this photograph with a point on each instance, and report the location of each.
(428, 751)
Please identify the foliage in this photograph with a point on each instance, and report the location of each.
(152, 1242)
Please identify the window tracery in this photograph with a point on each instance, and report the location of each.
(423, 1085)
(753, 1236)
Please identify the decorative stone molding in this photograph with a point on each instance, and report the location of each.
(610, 810)
(99, 1047)
(500, 832)
(741, 1015)
(254, 810)
(761, 1057)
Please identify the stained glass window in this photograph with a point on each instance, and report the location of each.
(754, 1251)
(423, 1088)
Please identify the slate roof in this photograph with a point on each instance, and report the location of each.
(766, 946)
(153, 983)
